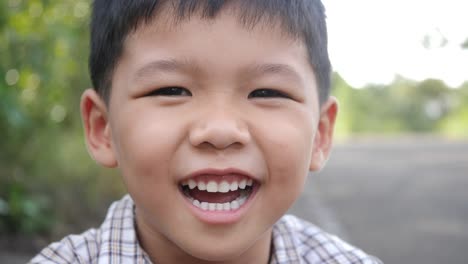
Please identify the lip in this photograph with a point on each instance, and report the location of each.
(222, 217)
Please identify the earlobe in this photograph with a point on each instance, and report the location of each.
(318, 160)
(324, 136)
(97, 129)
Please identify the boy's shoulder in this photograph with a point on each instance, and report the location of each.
(298, 241)
(115, 241)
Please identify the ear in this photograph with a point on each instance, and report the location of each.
(324, 135)
(97, 129)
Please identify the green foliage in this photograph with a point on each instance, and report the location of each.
(455, 124)
(48, 183)
(403, 106)
(21, 213)
(464, 45)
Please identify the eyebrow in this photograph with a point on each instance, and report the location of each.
(285, 70)
(253, 71)
(164, 65)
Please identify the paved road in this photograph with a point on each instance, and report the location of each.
(403, 200)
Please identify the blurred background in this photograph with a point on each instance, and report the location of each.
(394, 185)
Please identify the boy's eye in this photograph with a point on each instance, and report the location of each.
(170, 91)
(267, 93)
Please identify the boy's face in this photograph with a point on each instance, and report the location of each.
(210, 102)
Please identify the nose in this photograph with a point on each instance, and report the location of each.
(219, 129)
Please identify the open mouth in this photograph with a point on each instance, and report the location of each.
(219, 193)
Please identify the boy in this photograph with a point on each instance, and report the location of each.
(214, 112)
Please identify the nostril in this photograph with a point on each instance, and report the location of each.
(219, 135)
(210, 145)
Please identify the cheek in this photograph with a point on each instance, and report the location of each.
(145, 144)
(288, 158)
(288, 150)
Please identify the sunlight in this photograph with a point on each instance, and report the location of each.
(372, 41)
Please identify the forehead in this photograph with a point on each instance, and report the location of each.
(226, 31)
(249, 14)
(170, 18)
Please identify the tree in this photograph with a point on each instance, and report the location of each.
(43, 70)
(464, 45)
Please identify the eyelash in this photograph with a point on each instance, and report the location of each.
(170, 91)
(180, 91)
(267, 93)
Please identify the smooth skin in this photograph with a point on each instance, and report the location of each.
(210, 94)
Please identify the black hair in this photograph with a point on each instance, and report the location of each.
(113, 20)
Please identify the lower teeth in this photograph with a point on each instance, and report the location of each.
(238, 202)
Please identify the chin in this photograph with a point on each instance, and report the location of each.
(221, 252)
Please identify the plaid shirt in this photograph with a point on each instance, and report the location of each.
(294, 241)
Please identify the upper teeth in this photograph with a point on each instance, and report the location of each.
(222, 187)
